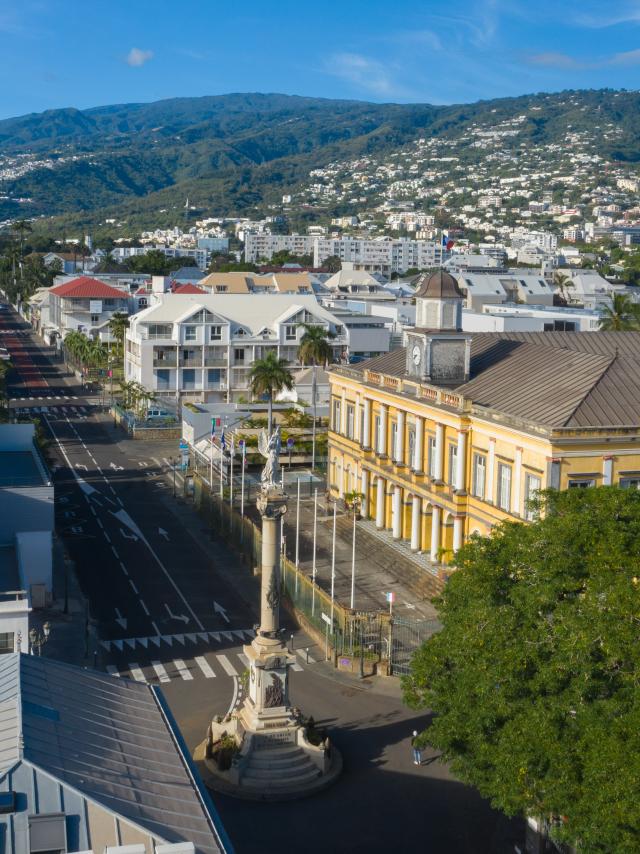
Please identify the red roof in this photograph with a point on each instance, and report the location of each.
(188, 289)
(85, 286)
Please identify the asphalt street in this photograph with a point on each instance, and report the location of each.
(172, 607)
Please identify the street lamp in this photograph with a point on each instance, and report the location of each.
(38, 639)
(172, 460)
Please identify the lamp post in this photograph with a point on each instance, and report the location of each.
(173, 466)
(38, 639)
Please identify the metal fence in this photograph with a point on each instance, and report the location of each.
(364, 636)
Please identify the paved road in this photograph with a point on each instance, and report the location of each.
(153, 577)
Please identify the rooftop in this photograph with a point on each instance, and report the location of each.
(553, 379)
(84, 287)
(19, 468)
(97, 746)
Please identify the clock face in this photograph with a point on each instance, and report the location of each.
(416, 355)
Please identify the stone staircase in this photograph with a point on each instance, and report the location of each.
(414, 571)
(284, 767)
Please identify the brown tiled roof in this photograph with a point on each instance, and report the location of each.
(556, 379)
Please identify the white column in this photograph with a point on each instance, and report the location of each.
(343, 413)
(364, 489)
(380, 484)
(416, 509)
(399, 451)
(517, 502)
(491, 465)
(356, 418)
(607, 471)
(439, 451)
(384, 410)
(457, 532)
(461, 460)
(418, 449)
(396, 516)
(366, 424)
(435, 534)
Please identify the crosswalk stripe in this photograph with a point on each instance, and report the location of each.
(306, 658)
(203, 664)
(161, 673)
(182, 668)
(226, 665)
(112, 671)
(243, 658)
(136, 672)
(296, 666)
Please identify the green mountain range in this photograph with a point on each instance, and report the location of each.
(235, 154)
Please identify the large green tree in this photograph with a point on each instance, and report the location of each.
(267, 376)
(315, 350)
(534, 680)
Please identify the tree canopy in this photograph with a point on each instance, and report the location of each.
(534, 680)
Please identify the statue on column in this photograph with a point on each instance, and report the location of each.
(269, 447)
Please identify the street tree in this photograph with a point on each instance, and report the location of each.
(118, 325)
(315, 350)
(267, 376)
(622, 316)
(534, 679)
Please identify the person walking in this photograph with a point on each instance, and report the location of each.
(417, 750)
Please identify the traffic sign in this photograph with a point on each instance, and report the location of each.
(290, 442)
(326, 618)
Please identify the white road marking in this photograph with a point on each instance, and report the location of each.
(113, 549)
(296, 666)
(113, 671)
(135, 589)
(243, 658)
(144, 608)
(226, 665)
(182, 669)
(161, 673)
(136, 672)
(203, 664)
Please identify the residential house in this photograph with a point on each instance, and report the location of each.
(85, 305)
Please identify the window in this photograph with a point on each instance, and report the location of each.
(504, 487)
(453, 464)
(215, 333)
(583, 483)
(190, 333)
(532, 485)
(160, 330)
(240, 332)
(290, 332)
(213, 376)
(479, 475)
(163, 379)
(6, 642)
(432, 456)
(412, 447)
(238, 354)
(95, 318)
(394, 441)
(188, 379)
(350, 420)
(630, 482)
(222, 289)
(337, 416)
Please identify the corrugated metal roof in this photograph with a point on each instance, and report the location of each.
(108, 739)
(556, 379)
(10, 718)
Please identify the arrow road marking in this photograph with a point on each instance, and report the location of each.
(163, 533)
(81, 466)
(176, 616)
(116, 467)
(120, 619)
(126, 535)
(220, 610)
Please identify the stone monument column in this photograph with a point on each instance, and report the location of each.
(272, 505)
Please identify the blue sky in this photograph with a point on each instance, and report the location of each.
(58, 53)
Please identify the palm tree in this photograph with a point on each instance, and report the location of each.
(563, 282)
(97, 353)
(315, 350)
(22, 227)
(623, 316)
(268, 375)
(118, 325)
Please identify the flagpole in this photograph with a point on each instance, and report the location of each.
(231, 481)
(211, 458)
(221, 458)
(313, 570)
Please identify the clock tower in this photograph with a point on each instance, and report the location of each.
(438, 351)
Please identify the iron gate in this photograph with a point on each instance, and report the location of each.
(406, 637)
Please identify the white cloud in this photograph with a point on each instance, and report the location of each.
(553, 59)
(363, 72)
(137, 57)
(629, 57)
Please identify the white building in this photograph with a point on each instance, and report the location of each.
(201, 346)
(84, 305)
(530, 318)
(262, 245)
(383, 254)
(504, 286)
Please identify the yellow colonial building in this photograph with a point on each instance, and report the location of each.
(456, 432)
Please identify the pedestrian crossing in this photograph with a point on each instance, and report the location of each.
(49, 396)
(210, 666)
(81, 412)
(159, 641)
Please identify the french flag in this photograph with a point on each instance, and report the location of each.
(447, 243)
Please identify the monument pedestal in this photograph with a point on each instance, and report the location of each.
(274, 759)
